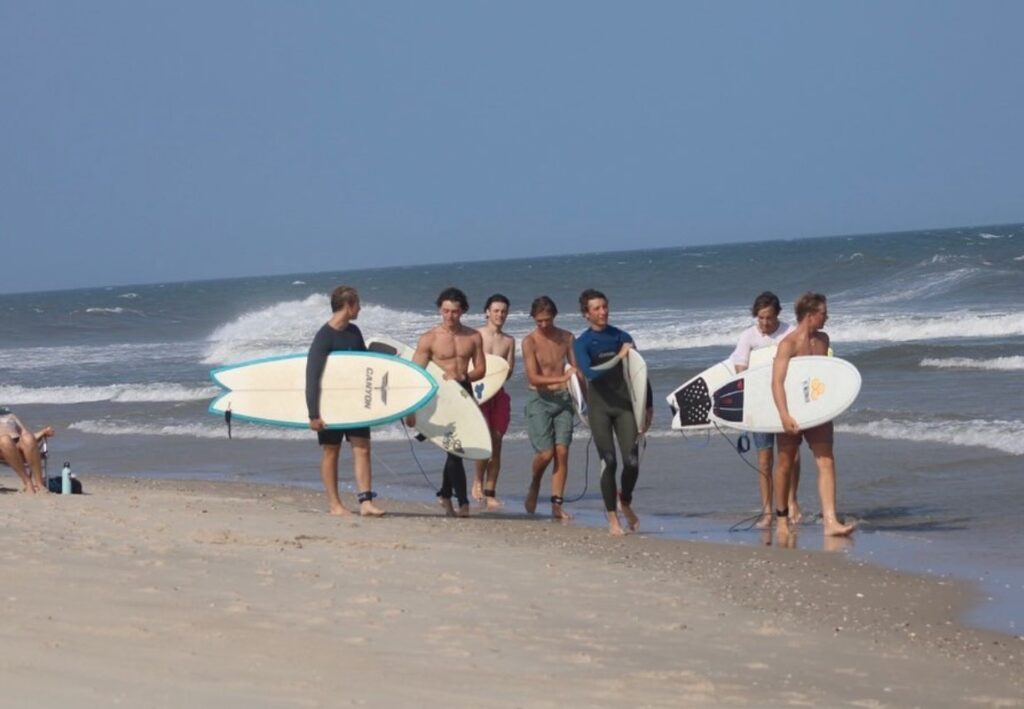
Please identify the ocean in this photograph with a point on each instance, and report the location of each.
(929, 457)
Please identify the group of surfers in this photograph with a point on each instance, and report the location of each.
(552, 357)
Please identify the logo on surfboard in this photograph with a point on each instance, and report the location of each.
(368, 388)
(813, 389)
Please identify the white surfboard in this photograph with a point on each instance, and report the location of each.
(691, 401)
(494, 379)
(357, 389)
(579, 402)
(635, 372)
(817, 390)
(451, 420)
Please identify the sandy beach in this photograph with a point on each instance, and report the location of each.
(158, 593)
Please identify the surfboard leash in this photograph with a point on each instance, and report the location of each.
(742, 446)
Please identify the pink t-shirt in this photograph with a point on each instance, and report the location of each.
(752, 339)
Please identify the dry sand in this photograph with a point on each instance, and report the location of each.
(160, 594)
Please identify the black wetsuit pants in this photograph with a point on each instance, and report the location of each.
(607, 424)
(453, 477)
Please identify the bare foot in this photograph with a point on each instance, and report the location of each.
(368, 509)
(531, 497)
(477, 492)
(795, 515)
(493, 503)
(557, 512)
(339, 511)
(446, 503)
(764, 521)
(834, 528)
(464, 510)
(614, 528)
(631, 518)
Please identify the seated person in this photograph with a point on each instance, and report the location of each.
(20, 447)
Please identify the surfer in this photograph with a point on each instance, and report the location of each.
(497, 410)
(451, 346)
(339, 333)
(806, 339)
(19, 448)
(767, 331)
(549, 408)
(610, 407)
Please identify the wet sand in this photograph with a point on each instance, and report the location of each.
(158, 593)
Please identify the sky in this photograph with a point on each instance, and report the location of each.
(150, 142)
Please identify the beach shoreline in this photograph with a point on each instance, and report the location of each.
(146, 591)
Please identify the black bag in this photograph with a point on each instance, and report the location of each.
(54, 485)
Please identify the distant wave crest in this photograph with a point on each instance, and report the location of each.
(1002, 364)
(155, 392)
(289, 326)
(214, 430)
(1003, 436)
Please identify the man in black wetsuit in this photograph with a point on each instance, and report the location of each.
(339, 333)
(452, 346)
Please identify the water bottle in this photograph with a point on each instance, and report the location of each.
(65, 479)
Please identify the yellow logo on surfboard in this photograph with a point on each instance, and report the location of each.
(813, 388)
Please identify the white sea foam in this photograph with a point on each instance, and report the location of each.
(1002, 364)
(49, 358)
(992, 236)
(155, 392)
(289, 326)
(216, 429)
(1002, 436)
(672, 331)
(924, 286)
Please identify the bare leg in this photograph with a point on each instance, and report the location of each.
(631, 519)
(12, 455)
(558, 478)
(361, 466)
(614, 527)
(540, 464)
(477, 491)
(787, 453)
(795, 515)
(493, 469)
(765, 462)
(29, 446)
(827, 490)
(329, 476)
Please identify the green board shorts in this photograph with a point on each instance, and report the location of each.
(549, 417)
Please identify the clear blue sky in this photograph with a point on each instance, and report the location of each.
(164, 141)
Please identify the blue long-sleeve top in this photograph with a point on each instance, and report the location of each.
(594, 347)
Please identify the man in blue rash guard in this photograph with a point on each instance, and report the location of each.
(610, 409)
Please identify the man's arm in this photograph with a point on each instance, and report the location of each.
(316, 360)
(479, 358)
(510, 357)
(779, 369)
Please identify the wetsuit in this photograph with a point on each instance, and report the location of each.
(610, 410)
(453, 477)
(328, 340)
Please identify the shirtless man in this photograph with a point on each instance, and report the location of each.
(767, 330)
(549, 410)
(451, 346)
(19, 447)
(806, 339)
(339, 333)
(498, 409)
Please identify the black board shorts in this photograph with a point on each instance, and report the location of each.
(334, 436)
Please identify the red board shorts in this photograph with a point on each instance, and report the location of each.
(822, 433)
(497, 411)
